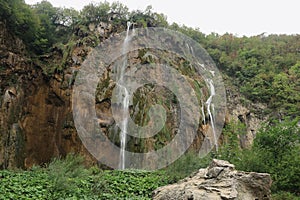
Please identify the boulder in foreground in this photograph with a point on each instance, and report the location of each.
(219, 181)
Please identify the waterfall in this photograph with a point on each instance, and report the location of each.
(123, 96)
(210, 107)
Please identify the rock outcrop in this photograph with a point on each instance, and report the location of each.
(241, 110)
(36, 121)
(218, 181)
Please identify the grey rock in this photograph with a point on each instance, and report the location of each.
(219, 181)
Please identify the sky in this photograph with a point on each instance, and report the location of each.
(239, 17)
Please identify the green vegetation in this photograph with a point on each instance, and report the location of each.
(129, 184)
(275, 151)
(63, 179)
(186, 165)
(69, 179)
(20, 20)
(264, 68)
(41, 26)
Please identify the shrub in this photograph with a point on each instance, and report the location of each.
(276, 151)
(285, 196)
(185, 165)
(69, 178)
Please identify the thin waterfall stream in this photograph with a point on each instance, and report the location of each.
(123, 96)
(210, 107)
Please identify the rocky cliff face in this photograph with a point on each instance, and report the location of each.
(35, 116)
(13, 69)
(36, 121)
(218, 181)
(241, 110)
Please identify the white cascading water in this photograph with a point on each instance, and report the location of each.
(209, 108)
(123, 96)
(210, 105)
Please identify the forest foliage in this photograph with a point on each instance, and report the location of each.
(275, 151)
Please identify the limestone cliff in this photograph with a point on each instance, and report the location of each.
(240, 109)
(36, 121)
(35, 117)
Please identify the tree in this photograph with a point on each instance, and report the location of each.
(20, 20)
(56, 23)
(276, 151)
(95, 12)
(46, 33)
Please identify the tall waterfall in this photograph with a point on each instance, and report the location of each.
(123, 96)
(209, 104)
(210, 108)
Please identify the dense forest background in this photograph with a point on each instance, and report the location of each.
(264, 68)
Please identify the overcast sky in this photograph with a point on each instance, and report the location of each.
(240, 17)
